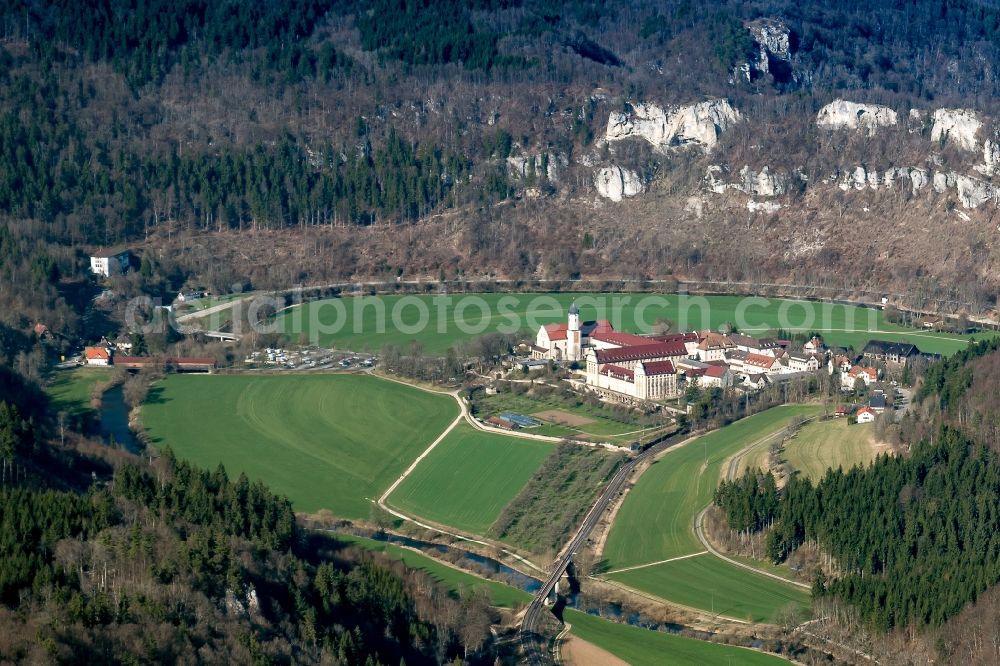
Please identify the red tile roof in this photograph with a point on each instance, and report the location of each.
(717, 371)
(657, 350)
(858, 370)
(96, 353)
(759, 360)
(658, 368)
(556, 331)
(619, 338)
(690, 336)
(618, 372)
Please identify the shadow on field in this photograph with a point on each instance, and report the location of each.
(155, 396)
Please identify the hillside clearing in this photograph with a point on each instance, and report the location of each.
(824, 445)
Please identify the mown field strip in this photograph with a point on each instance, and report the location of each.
(326, 441)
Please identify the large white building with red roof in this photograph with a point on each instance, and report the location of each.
(566, 342)
(630, 368)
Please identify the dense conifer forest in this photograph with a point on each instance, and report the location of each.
(912, 539)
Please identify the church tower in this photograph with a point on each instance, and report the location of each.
(573, 342)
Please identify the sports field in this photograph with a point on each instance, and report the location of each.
(469, 478)
(455, 580)
(655, 523)
(326, 441)
(438, 322)
(830, 444)
(563, 419)
(640, 647)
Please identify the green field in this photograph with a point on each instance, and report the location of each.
(326, 441)
(455, 580)
(717, 586)
(370, 322)
(469, 478)
(829, 444)
(642, 646)
(656, 520)
(69, 390)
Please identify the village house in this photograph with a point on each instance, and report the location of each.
(839, 363)
(756, 363)
(97, 355)
(107, 264)
(716, 376)
(714, 346)
(751, 345)
(814, 346)
(802, 362)
(877, 402)
(756, 381)
(865, 415)
(849, 379)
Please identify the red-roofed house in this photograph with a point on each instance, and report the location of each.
(867, 375)
(716, 376)
(866, 415)
(754, 363)
(97, 355)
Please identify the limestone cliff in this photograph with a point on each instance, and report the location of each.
(697, 124)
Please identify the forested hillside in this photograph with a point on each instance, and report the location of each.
(166, 563)
(910, 541)
(482, 129)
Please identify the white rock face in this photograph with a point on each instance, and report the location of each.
(772, 37)
(762, 183)
(973, 192)
(860, 178)
(763, 206)
(771, 34)
(549, 165)
(991, 159)
(841, 114)
(956, 126)
(615, 183)
(699, 124)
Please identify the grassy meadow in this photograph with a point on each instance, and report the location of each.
(714, 585)
(640, 647)
(824, 445)
(326, 441)
(454, 579)
(69, 390)
(439, 322)
(469, 478)
(656, 523)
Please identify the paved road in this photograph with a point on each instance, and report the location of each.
(529, 621)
